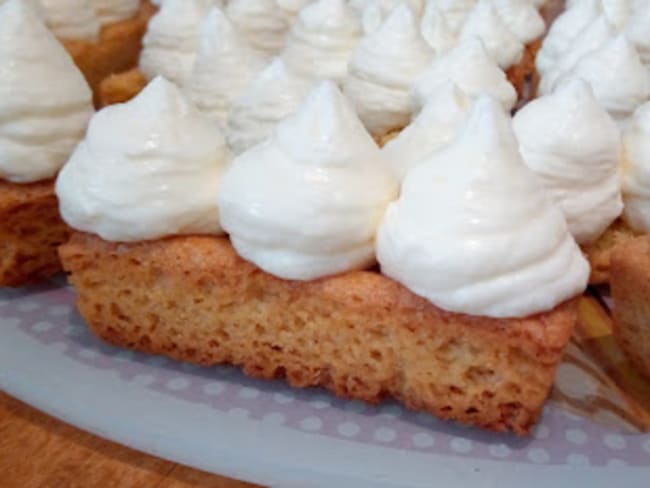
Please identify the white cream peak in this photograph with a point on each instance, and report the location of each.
(306, 203)
(147, 169)
(474, 232)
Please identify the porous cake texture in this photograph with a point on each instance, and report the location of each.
(30, 232)
(359, 334)
(630, 286)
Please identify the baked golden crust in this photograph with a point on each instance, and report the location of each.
(359, 334)
(599, 252)
(30, 232)
(121, 87)
(117, 50)
(630, 286)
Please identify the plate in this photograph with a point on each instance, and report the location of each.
(217, 419)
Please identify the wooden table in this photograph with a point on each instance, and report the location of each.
(39, 451)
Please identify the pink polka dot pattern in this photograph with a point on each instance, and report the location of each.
(47, 314)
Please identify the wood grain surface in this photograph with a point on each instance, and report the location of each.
(39, 451)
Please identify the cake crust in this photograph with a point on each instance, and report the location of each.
(30, 232)
(599, 252)
(117, 50)
(630, 287)
(359, 334)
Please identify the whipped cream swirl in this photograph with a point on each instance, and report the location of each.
(620, 81)
(306, 203)
(522, 18)
(261, 22)
(224, 66)
(273, 95)
(435, 126)
(564, 31)
(322, 40)
(172, 39)
(592, 37)
(574, 147)
(436, 29)
(500, 42)
(636, 170)
(471, 68)
(71, 19)
(110, 11)
(147, 169)
(45, 102)
(474, 232)
(382, 70)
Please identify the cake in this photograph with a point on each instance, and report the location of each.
(360, 335)
(103, 38)
(630, 287)
(294, 291)
(45, 104)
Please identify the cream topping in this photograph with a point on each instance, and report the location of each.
(620, 81)
(636, 170)
(45, 102)
(436, 29)
(637, 30)
(387, 6)
(500, 42)
(110, 11)
(570, 142)
(306, 203)
(224, 66)
(383, 68)
(172, 39)
(472, 69)
(590, 39)
(522, 18)
(435, 126)
(262, 23)
(474, 232)
(323, 39)
(71, 19)
(455, 11)
(564, 31)
(147, 169)
(273, 95)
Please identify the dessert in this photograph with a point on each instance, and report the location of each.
(305, 308)
(382, 70)
(573, 146)
(273, 95)
(630, 286)
(305, 203)
(225, 65)
(472, 69)
(45, 104)
(636, 170)
(103, 37)
(172, 39)
(501, 43)
(620, 81)
(460, 208)
(434, 126)
(128, 179)
(261, 22)
(322, 40)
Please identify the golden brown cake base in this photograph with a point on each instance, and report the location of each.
(630, 286)
(522, 75)
(121, 87)
(599, 253)
(30, 232)
(360, 334)
(117, 50)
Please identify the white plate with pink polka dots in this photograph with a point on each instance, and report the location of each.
(218, 420)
